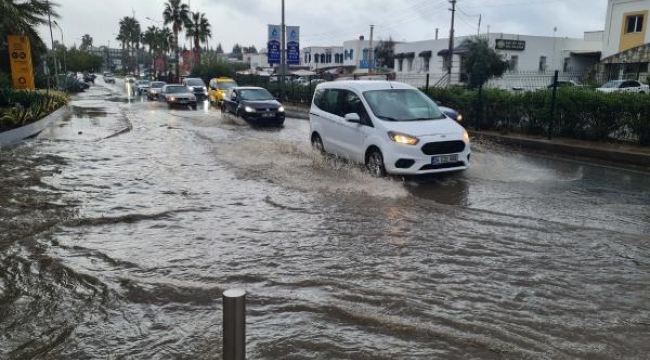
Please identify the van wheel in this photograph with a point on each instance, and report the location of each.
(317, 144)
(375, 163)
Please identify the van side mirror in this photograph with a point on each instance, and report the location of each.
(438, 102)
(353, 118)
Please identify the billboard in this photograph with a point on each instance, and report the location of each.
(293, 45)
(273, 45)
(20, 57)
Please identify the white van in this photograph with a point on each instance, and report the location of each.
(389, 126)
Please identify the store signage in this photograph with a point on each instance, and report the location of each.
(273, 45)
(293, 45)
(504, 44)
(20, 57)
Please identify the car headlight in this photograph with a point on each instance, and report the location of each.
(171, 98)
(459, 118)
(403, 138)
(193, 98)
(281, 109)
(249, 109)
(465, 136)
(205, 89)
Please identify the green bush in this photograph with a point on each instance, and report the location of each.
(21, 107)
(580, 113)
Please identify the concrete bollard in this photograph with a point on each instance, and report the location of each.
(234, 324)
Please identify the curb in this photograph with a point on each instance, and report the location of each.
(597, 153)
(13, 137)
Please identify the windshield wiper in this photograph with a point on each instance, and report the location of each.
(388, 118)
(426, 118)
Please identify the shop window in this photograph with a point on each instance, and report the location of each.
(634, 24)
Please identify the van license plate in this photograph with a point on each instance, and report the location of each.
(268, 115)
(444, 159)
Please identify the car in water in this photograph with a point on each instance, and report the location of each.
(178, 95)
(632, 86)
(142, 86)
(218, 87)
(154, 89)
(254, 104)
(197, 86)
(109, 78)
(389, 126)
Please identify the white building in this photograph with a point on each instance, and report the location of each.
(524, 53)
(257, 61)
(321, 57)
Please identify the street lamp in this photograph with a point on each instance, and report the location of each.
(65, 66)
(49, 19)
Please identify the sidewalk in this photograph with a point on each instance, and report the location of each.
(616, 154)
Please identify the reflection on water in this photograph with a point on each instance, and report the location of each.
(124, 245)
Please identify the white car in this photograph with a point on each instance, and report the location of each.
(389, 126)
(624, 86)
(142, 86)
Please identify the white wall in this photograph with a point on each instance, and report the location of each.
(313, 65)
(614, 23)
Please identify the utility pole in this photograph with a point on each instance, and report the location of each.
(451, 39)
(283, 56)
(370, 50)
(479, 25)
(56, 67)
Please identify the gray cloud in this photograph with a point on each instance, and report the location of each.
(331, 22)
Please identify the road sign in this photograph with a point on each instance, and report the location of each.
(22, 72)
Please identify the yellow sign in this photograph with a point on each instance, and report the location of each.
(20, 56)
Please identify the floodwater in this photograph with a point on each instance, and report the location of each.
(122, 225)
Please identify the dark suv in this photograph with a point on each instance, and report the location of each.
(198, 87)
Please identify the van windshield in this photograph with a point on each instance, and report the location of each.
(402, 105)
(225, 85)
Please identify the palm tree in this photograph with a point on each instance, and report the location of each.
(86, 42)
(130, 35)
(23, 18)
(149, 39)
(176, 14)
(198, 28)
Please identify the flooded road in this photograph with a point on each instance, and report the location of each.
(122, 225)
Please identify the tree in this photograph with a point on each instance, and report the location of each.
(23, 18)
(481, 62)
(86, 42)
(177, 15)
(198, 28)
(385, 53)
(129, 35)
(219, 49)
(237, 52)
(249, 50)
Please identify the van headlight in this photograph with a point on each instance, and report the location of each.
(403, 138)
(465, 137)
(249, 109)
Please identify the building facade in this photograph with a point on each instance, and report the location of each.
(626, 40)
(525, 54)
(321, 57)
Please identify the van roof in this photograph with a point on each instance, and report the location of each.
(364, 85)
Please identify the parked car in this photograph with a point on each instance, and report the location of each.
(254, 104)
(564, 83)
(390, 127)
(89, 77)
(178, 95)
(624, 86)
(142, 86)
(109, 78)
(451, 113)
(197, 86)
(218, 88)
(129, 79)
(154, 89)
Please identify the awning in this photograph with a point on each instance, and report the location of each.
(461, 49)
(589, 53)
(303, 73)
(399, 56)
(409, 55)
(425, 54)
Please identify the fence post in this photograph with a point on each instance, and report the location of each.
(234, 324)
(426, 87)
(553, 104)
(479, 107)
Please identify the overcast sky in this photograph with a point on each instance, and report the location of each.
(330, 22)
